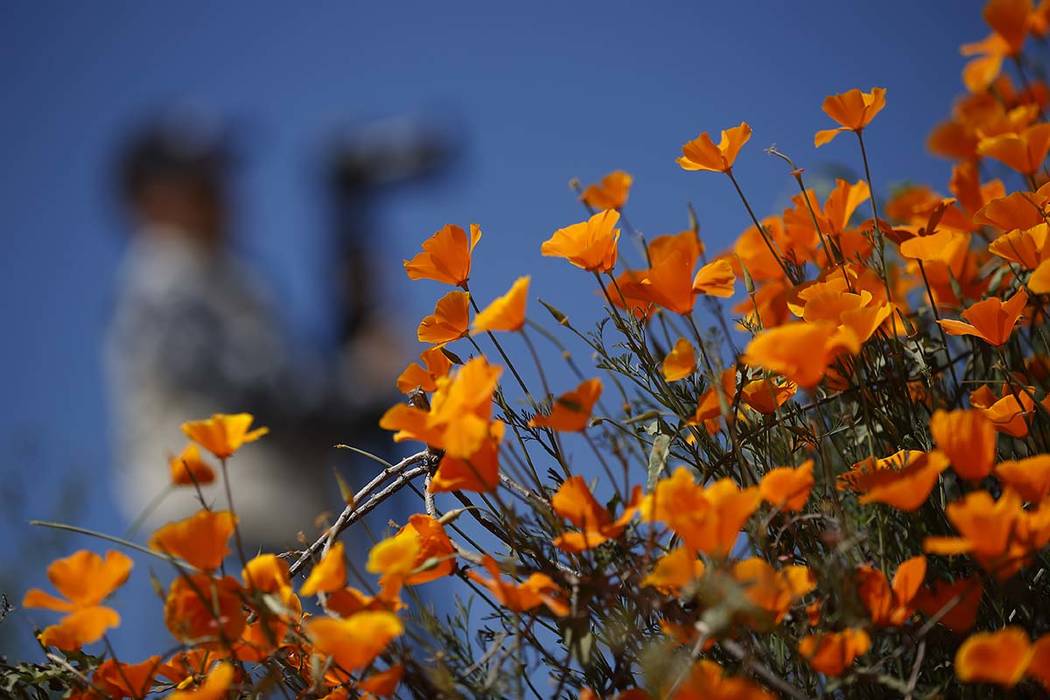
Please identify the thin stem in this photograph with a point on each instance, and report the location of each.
(136, 693)
(357, 509)
(499, 349)
(940, 329)
(116, 540)
(148, 510)
(762, 229)
(233, 512)
(536, 361)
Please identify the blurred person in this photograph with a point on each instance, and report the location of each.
(194, 333)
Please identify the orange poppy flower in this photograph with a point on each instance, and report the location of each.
(715, 279)
(538, 589)
(505, 313)
(929, 224)
(1009, 414)
(265, 635)
(708, 519)
(1039, 282)
(754, 255)
(188, 469)
(801, 352)
(984, 114)
(1006, 116)
(702, 154)
(418, 553)
(841, 204)
(680, 362)
(1039, 664)
(850, 278)
(669, 280)
(771, 590)
(860, 313)
(950, 266)
(122, 680)
(767, 306)
(853, 109)
(710, 407)
(787, 488)
(183, 665)
(994, 657)
(589, 245)
(1030, 478)
(891, 606)
(919, 207)
(266, 573)
(938, 247)
(610, 193)
(450, 320)
(674, 571)
(200, 607)
(767, 395)
(964, 595)
(383, 683)
(903, 480)
(354, 643)
(951, 139)
(1024, 151)
(84, 579)
(831, 653)
(987, 531)
(991, 320)
(813, 613)
(349, 600)
(1026, 247)
(445, 257)
(574, 502)
(216, 685)
(1033, 532)
(478, 473)
(435, 550)
(708, 681)
(968, 439)
(424, 377)
(1018, 210)
(1039, 19)
(626, 293)
(571, 411)
(223, 434)
(1009, 19)
(328, 575)
(800, 240)
(459, 419)
(967, 187)
(822, 296)
(394, 558)
(981, 72)
(201, 540)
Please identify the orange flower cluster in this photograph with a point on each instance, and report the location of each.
(827, 507)
(224, 622)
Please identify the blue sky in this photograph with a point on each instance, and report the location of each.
(543, 93)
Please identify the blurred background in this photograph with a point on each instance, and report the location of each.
(308, 141)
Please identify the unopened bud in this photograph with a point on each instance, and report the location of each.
(558, 315)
